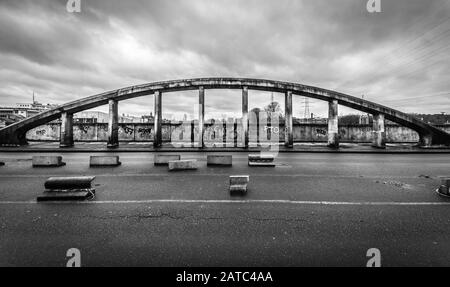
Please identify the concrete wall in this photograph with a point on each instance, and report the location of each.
(214, 133)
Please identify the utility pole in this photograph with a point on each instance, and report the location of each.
(306, 112)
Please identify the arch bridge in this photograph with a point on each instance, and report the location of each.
(15, 134)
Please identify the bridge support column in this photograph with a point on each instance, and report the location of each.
(333, 124)
(425, 140)
(201, 116)
(66, 134)
(157, 140)
(245, 117)
(288, 135)
(113, 125)
(379, 134)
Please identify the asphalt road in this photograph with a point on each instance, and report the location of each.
(310, 210)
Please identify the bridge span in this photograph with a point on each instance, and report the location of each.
(15, 134)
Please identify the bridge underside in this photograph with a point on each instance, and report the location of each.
(15, 134)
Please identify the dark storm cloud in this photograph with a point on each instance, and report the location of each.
(389, 56)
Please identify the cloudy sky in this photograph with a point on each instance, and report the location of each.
(399, 57)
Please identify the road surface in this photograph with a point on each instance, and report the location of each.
(310, 210)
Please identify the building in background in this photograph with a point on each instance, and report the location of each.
(20, 111)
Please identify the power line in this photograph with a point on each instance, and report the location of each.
(399, 63)
(418, 97)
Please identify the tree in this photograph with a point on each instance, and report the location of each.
(273, 107)
(273, 110)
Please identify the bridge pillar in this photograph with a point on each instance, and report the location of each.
(333, 124)
(201, 116)
(379, 134)
(245, 117)
(157, 140)
(113, 124)
(425, 140)
(66, 134)
(288, 136)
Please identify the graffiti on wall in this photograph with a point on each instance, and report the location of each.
(321, 132)
(40, 132)
(144, 131)
(128, 130)
(84, 128)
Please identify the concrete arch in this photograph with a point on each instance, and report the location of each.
(429, 135)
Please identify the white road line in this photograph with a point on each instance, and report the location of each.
(212, 201)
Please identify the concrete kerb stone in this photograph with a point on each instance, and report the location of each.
(67, 188)
(187, 164)
(47, 161)
(66, 196)
(444, 188)
(99, 161)
(71, 182)
(238, 184)
(261, 160)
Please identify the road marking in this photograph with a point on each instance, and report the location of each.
(251, 201)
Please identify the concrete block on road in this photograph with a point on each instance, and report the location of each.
(188, 164)
(67, 188)
(261, 160)
(163, 159)
(98, 161)
(47, 161)
(69, 183)
(65, 196)
(219, 160)
(238, 184)
(444, 188)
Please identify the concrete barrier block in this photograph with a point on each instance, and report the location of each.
(65, 196)
(69, 183)
(163, 159)
(98, 161)
(261, 157)
(444, 188)
(222, 160)
(238, 184)
(47, 161)
(67, 188)
(182, 165)
(261, 160)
